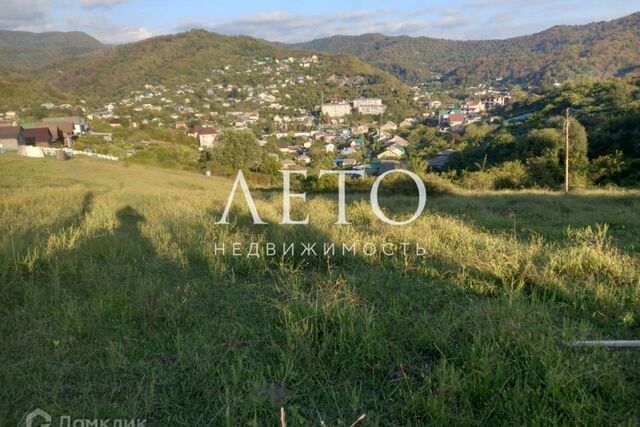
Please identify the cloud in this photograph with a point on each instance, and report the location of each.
(286, 27)
(24, 15)
(106, 30)
(91, 4)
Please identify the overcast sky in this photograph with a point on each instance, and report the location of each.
(119, 21)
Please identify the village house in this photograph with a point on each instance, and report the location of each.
(329, 147)
(388, 129)
(434, 104)
(79, 125)
(39, 137)
(62, 131)
(349, 163)
(472, 106)
(397, 140)
(357, 143)
(11, 137)
(493, 101)
(409, 123)
(360, 129)
(443, 114)
(347, 150)
(455, 119)
(54, 130)
(395, 151)
(206, 135)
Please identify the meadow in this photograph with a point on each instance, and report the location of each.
(114, 304)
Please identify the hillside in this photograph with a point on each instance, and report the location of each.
(599, 50)
(604, 139)
(115, 303)
(22, 50)
(17, 92)
(184, 58)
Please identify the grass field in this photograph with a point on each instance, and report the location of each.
(114, 305)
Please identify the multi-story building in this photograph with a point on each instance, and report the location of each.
(336, 109)
(492, 101)
(472, 106)
(370, 106)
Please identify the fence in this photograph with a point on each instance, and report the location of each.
(40, 152)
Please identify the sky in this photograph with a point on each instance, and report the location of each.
(121, 21)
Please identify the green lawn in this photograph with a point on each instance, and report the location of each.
(114, 305)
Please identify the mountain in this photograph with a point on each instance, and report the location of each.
(600, 50)
(20, 50)
(185, 58)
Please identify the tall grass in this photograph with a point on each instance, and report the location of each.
(115, 305)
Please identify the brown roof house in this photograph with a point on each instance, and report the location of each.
(40, 137)
(456, 119)
(206, 135)
(54, 130)
(11, 137)
(67, 129)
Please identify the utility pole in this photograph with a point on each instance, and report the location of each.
(320, 112)
(566, 152)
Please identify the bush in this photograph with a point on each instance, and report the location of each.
(509, 175)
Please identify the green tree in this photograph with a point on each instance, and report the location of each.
(578, 149)
(541, 142)
(235, 150)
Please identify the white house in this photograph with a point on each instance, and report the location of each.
(206, 136)
(329, 147)
(472, 106)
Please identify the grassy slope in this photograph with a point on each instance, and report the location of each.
(113, 306)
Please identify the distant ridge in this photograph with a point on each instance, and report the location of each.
(598, 50)
(22, 50)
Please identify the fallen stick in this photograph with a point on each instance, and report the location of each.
(605, 343)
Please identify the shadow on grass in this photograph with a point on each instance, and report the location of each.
(112, 329)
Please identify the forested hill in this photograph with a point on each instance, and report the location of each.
(187, 57)
(600, 50)
(22, 50)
